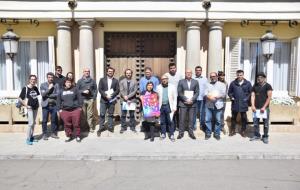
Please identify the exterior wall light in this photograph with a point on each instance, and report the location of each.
(268, 44)
(10, 43)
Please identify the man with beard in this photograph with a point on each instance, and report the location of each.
(215, 94)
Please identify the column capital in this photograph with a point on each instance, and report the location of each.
(216, 24)
(191, 24)
(63, 25)
(86, 24)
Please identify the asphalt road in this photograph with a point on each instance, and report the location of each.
(143, 175)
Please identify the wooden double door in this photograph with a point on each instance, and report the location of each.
(138, 50)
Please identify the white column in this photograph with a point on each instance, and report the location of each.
(64, 58)
(270, 65)
(86, 48)
(192, 43)
(215, 47)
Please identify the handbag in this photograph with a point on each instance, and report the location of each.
(19, 102)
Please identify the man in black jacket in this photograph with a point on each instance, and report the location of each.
(109, 89)
(188, 91)
(88, 93)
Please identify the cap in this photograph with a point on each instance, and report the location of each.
(261, 74)
(164, 76)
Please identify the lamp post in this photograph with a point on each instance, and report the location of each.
(268, 44)
(10, 43)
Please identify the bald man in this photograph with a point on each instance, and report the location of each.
(188, 91)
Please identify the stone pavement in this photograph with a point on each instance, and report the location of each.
(130, 146)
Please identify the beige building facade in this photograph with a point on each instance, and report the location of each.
(136, 34)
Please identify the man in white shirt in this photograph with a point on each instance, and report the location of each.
(174, 77)
(200, 100)
(215, 94)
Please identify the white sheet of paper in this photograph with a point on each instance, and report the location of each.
(109, 92)
(128, 106)
(189, 94)
(260, 115)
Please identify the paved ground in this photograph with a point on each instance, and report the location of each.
(130, 146)
(137, 175)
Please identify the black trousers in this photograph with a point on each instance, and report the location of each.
(243, 120)
(186, 114)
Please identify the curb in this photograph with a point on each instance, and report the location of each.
(155, 157)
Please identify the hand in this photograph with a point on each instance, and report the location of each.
(60, 111)
(174, 110)
(86, 91)
(262, 110)
(108, 97)
(232, 99)
(253, 108)
(125, 98)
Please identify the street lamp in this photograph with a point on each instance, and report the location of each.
(10, 43)
(268, 44)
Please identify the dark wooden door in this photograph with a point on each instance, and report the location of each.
(137, 50)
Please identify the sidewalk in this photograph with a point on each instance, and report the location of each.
(130, 146)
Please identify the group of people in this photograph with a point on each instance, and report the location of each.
(180, 100)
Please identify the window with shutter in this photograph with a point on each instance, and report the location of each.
(294, 69)
(233, 53)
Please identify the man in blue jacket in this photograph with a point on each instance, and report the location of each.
(239, 93)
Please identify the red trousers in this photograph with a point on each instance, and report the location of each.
(71, 120)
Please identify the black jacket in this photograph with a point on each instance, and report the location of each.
(102, 87)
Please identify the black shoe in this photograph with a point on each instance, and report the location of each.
(111, 129)
(180, 136)
(147, 137)
(265, 140)
(243, 133)
(99, 133)
(192, 136)
(152, 139)
(255, 138)
(122, 130)
(45, 137)
(207, 137)
(54, 136)
(78, 139)
(69, 139)
(232, 133)
(217, 137)
(133, 130)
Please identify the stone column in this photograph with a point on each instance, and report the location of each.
(64, 58)
(192, 43)
(215, 47)
(86, 47)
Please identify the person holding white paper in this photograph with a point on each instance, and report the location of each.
(109, 89)
(168, 105)
(260, 99)
(215, 94)
(188, 92)
(128, 90)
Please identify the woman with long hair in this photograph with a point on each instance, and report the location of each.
(150, 120)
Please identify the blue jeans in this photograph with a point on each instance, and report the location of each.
(213, 114)
(53, 112)
(165, 120)
(201, 110)
(266, 125)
